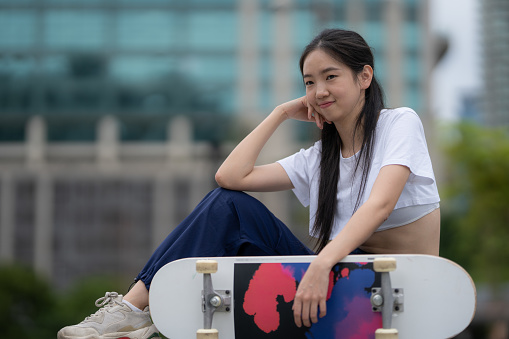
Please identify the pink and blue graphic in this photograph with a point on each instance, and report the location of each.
(264, 296)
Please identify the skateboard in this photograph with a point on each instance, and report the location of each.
(369, 296)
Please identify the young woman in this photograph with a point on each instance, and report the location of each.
(368, 182)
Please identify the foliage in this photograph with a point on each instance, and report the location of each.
(475, 220)
(26, 304)
(31, 308)
(79, 301)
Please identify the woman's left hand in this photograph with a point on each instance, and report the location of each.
(311, 294)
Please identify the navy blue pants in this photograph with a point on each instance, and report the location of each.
(225, 223)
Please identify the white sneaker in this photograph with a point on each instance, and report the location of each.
(143, 333)
(113, 320)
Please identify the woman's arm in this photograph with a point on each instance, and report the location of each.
(381, 202)
(238, 171)
(312, 291)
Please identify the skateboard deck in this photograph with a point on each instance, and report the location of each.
(432, 298)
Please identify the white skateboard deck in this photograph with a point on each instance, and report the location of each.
(439, 296)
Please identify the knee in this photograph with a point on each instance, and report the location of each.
(232, 198)
(224, 192)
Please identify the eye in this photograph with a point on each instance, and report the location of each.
(330, 77)
(308, 83)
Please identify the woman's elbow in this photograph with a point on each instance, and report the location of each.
(225, 181)
(220, 179)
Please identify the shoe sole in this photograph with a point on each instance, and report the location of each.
(139, 334)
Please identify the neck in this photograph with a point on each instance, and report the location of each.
(349, 145)
(351, 140)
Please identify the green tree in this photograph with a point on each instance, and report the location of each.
(475, 230)
(27, 304)
(32, 308)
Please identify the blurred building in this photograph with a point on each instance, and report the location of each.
(96, 163)
(469, 109)
(142, 61)
(495, 36)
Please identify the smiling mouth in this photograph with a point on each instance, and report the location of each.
(325, 104)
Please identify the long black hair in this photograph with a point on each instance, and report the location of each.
(350, 49)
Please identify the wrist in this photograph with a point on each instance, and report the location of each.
(325, 262)
(329, 256)
(280, 113)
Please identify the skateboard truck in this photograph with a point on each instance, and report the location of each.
(386, 299)
(212, 300)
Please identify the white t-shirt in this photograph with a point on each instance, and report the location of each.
(399, 140)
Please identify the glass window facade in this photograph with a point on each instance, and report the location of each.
(17, 29)
(76, 60)
(142, 30)
(74, 30)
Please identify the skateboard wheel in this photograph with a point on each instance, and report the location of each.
(384, 264)
(386, 333)
(207, 334)
(206, 266)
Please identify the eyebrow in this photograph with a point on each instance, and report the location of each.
(326, 70)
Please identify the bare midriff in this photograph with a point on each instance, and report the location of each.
(419, 237)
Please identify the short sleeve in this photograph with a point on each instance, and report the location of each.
(404, 144)
(301, 167)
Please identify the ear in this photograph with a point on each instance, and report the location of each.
(365, 76)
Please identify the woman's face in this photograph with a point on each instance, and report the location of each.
(332, 88)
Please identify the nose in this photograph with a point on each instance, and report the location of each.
(321, 91)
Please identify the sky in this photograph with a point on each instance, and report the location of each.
(459, 72)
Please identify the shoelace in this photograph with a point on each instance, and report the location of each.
(107, 299)
(104, 302)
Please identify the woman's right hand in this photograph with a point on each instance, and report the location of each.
(299, 109)
(239, 172)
